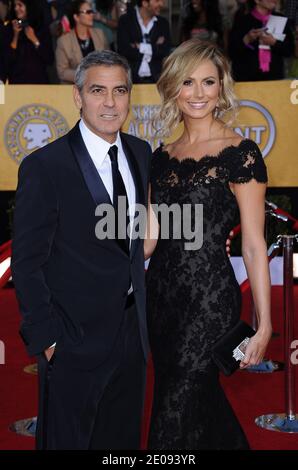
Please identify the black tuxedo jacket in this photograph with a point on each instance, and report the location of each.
(129, 32)
(71, 286)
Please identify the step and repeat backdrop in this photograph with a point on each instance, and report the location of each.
(33, 116)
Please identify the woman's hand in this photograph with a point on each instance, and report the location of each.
(17, 28)
(252, 35)
(152, 229)
(256, 348)
(267, 39)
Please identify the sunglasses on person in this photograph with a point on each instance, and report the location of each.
(87, 12)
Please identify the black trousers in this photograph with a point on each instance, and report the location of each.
(94, 409)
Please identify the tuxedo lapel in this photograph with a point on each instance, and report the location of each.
(93, 180)
(139, 187)
(90, 174)
(137, 28)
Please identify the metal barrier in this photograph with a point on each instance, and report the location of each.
(286, 422)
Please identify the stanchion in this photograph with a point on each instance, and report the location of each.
(267, 366)
(288, 421)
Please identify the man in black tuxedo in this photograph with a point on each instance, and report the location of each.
(82, 299)
(143, 37)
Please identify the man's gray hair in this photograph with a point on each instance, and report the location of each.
(96, 58)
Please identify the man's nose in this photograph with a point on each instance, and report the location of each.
(109, 100)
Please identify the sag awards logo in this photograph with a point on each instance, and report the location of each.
(32, 127)
(255, 122)
(141, 124)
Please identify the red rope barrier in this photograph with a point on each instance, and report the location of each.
(5, 253)
(289, 216)
(5, 278)
(6, 246)
(236, 230)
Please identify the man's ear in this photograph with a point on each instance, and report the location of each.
(77, 97)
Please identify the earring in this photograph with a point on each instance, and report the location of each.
(216, 112)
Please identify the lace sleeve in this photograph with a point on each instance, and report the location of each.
(248, 164)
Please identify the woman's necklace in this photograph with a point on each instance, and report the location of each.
(84, 43)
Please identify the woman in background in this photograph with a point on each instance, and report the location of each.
(27, 48)
(255, 53)
(203, 21)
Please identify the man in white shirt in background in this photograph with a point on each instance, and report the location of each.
(143, 37)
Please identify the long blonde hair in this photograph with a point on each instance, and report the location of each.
(177, 67)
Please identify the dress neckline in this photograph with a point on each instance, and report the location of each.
(204, 157)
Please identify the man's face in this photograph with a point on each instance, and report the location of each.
(104, 100)
(197, 5)
(153, 7)
(85, 16)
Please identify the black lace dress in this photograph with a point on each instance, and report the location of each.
(194, 299)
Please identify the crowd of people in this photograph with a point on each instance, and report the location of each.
(43, 41)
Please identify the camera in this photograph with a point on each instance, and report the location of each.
(23, 23)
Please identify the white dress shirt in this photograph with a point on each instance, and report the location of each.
(145, 49)
(98, 150)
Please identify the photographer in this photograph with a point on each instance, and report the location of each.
(27, 44)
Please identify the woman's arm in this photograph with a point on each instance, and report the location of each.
(251, 201)
(152, 229)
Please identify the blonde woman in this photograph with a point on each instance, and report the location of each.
(193, 296)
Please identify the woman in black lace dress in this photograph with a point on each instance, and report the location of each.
(193, 296)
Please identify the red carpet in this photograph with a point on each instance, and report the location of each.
(251, 394)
